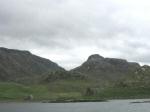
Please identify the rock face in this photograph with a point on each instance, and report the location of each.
(106, 68)
(16, 65)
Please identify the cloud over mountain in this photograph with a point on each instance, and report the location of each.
(67, 31)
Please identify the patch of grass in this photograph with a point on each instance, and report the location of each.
(68, 90)
(12, 91)
(124, 93)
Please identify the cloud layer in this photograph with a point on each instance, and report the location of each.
(68, 31)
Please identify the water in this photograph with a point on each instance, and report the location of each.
(111, 106)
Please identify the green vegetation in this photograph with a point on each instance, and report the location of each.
(63, 90)
(54, 91)
(125, 93)
(12, 91)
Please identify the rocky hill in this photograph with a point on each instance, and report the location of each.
(22, 66)
(99, 67)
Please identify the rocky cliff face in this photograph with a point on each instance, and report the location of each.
(16, 65)
(106, 68)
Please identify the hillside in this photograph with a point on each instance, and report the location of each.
(22, 66)
(102, 68)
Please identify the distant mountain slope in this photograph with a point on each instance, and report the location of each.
(16, 65)
(99, 67)
(22, 66)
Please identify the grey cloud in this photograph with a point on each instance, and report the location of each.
(67, 31)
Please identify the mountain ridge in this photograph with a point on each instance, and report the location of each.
(22, 65)
(23, 74)
(16, 65)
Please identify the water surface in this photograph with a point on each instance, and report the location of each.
(111, 106)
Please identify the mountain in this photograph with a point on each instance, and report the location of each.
(23, 74)
(23, 66)
(99, 67)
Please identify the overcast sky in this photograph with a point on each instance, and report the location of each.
(68, 31)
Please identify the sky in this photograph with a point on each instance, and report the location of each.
(68, 31)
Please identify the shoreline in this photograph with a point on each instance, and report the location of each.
(145, 100)
(74, 101)
(53, 101)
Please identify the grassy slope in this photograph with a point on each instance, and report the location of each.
(12, 91)
(65, 90)
(57, 90)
